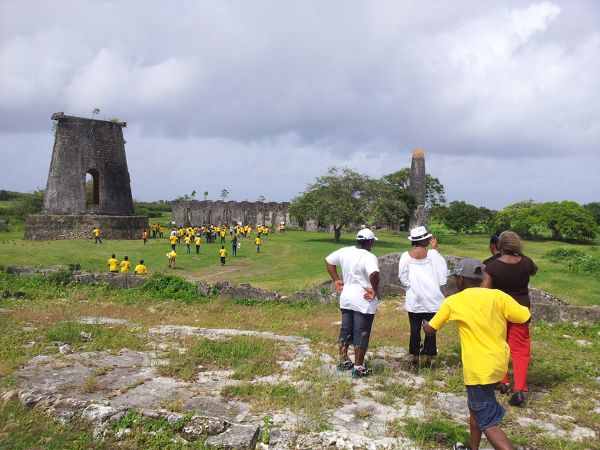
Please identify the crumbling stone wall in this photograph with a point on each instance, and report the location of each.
(195, 212)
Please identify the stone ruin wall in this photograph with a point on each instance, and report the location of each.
(197, 212)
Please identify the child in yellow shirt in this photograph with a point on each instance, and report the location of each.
(141, 269)
(125, 264)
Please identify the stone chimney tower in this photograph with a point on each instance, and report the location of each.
(95, 149)
(418, 187)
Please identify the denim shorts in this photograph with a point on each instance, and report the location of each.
(482, 402)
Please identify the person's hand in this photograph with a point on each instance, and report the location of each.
(370, 294)
(339, 286)
(434, 243)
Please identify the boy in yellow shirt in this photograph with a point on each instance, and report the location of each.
(125, 264)
(222, 254)
(197, 241)
(172, 256)
(481, 316)
(96, 232)
(257, 242)
(113, 264)
(141, 269)
(173, 239)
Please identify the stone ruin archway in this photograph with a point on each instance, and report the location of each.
(92, 189)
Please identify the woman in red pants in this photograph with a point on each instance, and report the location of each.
(510, 273)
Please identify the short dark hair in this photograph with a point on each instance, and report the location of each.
(141, 261)
(125, 257)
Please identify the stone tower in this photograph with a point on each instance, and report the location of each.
(418, 187)
(95, 149)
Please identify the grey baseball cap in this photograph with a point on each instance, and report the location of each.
(468, 268)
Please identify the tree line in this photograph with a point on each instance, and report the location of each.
(343, 197)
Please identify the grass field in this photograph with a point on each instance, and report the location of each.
(288, 262)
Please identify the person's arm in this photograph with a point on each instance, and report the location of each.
(437, 321)
(488, 281)
(428, 329)
(332, 270)
(403, 270)
(372, 292)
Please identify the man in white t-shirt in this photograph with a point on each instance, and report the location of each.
(358, 291)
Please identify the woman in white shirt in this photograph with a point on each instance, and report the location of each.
(422, 272)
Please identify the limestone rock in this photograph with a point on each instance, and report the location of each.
(237, 437)
(204, 425)
(96, 413)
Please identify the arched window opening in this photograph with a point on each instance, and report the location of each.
(92, 187)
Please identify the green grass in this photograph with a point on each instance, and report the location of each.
(249, 356)
(292, 261)
(433, 432)
(26, 428)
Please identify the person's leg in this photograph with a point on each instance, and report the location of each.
(474, 431)
(485, 415)
(429, 343)
(361, 334)
(414, 343)
(497, 438)
(345, 337)
(519, 342)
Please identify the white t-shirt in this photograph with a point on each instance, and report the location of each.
(423, 278)
(357, 264)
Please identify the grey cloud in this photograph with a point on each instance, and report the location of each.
(307, 84)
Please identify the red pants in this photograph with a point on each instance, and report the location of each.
(519, 343)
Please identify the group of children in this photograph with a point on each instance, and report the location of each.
(193, 235)
(115, 267)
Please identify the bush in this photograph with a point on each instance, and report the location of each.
(584, 264)
(562, 254)
(166, 287)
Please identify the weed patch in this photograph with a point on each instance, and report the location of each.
(167, 287)
(22, 427)
(249, 356)
(434, 432)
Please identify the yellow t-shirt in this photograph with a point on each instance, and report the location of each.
(257, 241)
(481, 316)
(172, 254)
(96, 232)
(187, 240)
(222, 253)
(197, 240)
(140, 269)
(113, 264)
(173, 239)
(125, 265)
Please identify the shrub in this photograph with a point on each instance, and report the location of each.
(585, 264)
(562, 254)
(165, 287)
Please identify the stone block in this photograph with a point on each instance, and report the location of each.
(237, 437)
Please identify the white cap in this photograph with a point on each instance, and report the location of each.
(365, 235)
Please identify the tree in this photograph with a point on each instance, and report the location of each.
(224, 194)
(518, 217)
(261, 199)
(460, 216)
(30, 203)
(434, 195)
(594, 209)
(385, 204)
(566, 220)
(557, 220)
(193, 193)
(336, 199)
(205, 195)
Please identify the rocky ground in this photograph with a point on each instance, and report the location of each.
(104, 387)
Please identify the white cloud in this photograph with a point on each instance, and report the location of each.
(284, 90)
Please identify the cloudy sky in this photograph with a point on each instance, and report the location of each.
(260, 97)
